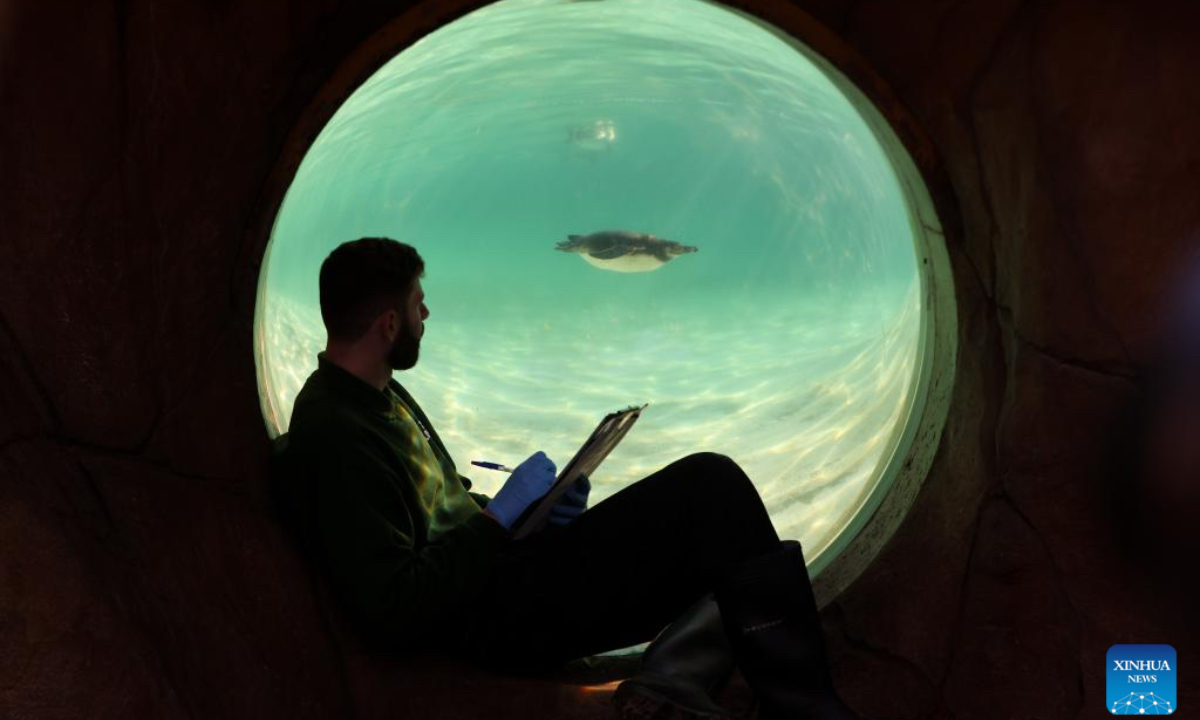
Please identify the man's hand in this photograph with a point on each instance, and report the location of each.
(527, 483)
(572, 503)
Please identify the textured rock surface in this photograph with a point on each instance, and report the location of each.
(141, 574)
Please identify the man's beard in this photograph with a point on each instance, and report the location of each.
(405, 349)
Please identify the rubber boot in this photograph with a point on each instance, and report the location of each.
(770, 614)
(688, 662)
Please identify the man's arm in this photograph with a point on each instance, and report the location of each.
(372, 558)
(480, 499)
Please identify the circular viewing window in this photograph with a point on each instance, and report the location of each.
(795, 338)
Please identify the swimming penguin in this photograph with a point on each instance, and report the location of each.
(599, 135)
(624, 251)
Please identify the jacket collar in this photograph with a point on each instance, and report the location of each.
(348, 384)
(366, 395)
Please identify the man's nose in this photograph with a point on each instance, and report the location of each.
(424, 312)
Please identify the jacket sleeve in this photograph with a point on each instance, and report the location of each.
(393, 585)
(480, 499)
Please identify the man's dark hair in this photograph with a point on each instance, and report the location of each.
(361, 279)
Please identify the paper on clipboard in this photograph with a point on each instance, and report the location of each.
(603, 439)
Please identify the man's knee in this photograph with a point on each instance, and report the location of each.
(717, 461)
(717, 467)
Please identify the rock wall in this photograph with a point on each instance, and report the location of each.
(141, 575)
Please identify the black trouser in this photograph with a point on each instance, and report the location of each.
(622, 571)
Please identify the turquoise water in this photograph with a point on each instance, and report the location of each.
(788, 341)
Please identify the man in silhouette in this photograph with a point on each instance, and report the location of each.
(420, 563)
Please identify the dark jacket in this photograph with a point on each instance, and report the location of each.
(384, 515)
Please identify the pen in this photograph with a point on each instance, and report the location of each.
(492, 466)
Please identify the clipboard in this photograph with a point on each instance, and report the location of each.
(599, 444)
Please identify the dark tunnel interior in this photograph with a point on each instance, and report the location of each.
(1048, 513)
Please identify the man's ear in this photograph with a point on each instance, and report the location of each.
(388, 324)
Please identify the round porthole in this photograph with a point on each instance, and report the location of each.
(664, 202)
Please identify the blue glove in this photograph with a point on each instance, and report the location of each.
(531, 480)
(572, 503)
